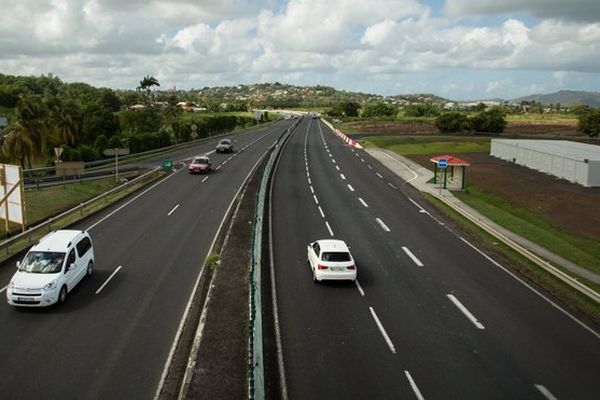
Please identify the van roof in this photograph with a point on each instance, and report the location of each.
(56, 241)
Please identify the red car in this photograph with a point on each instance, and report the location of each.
(200, 165)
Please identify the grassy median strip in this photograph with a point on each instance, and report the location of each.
(577, 302)
(580, 250)
(405, 145)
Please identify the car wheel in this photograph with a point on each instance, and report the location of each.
(62, 296)
(90, 268)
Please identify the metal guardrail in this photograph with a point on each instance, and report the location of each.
(256, 373)
(37, 231)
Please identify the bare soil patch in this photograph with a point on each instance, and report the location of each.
(569, 206)
(555, 128)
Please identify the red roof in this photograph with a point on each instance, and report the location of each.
(454, 161)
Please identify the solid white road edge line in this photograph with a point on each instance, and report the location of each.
(405, 166)
(413, 385)
(360, 289)
(466, 312)
(278, 341)
(363, 202)
(329, 228)
(109, 278)
(351, 188)
(3, 289)
(173, 210)
(382, 225)
(415, 203)
(545, 392)
(528, 286)
(383, 332)
(412, 256)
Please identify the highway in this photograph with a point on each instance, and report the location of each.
(112, 337)
(430, 316)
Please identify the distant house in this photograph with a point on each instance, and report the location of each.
(137, 107)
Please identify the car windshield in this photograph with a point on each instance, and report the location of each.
(336, 257)
(42, 262)
(200, 161)
(225, 141)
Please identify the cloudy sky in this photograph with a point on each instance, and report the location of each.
(460, 49)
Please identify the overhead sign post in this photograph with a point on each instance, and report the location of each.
(116, 152)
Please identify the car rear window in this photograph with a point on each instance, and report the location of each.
(336, 256)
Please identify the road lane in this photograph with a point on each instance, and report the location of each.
(113, 342)
(449, 357)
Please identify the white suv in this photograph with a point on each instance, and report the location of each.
(331, 259)
(51, 269)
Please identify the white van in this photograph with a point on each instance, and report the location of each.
(51, 269)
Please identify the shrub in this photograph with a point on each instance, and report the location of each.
(87, 153)
(421, 110)
(489, 121)
(589, 123)
(379, 109)
(452, 122)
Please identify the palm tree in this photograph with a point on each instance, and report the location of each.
(26, 138)
(65, 129)
(146, 84)
(17, 145)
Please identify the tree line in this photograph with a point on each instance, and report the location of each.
(45, 112)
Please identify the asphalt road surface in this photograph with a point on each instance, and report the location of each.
(430, 316)
(112, 337)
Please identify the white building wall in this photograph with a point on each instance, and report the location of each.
(565, 167)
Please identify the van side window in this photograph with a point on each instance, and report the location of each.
(83, 246)
(71, 259)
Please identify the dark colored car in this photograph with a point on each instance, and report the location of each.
(225, 146)
(199, 165)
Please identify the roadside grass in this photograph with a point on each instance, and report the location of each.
(405, 145)
(46, 202)
(583, 251)
(577, 302)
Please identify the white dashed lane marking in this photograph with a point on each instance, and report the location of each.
(382, 225)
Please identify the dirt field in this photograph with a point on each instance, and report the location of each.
(569, 206)
(525, 128)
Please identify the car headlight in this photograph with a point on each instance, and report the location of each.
(50, 286)
(11, 285)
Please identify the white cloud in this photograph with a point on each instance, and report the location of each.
(353, 43)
